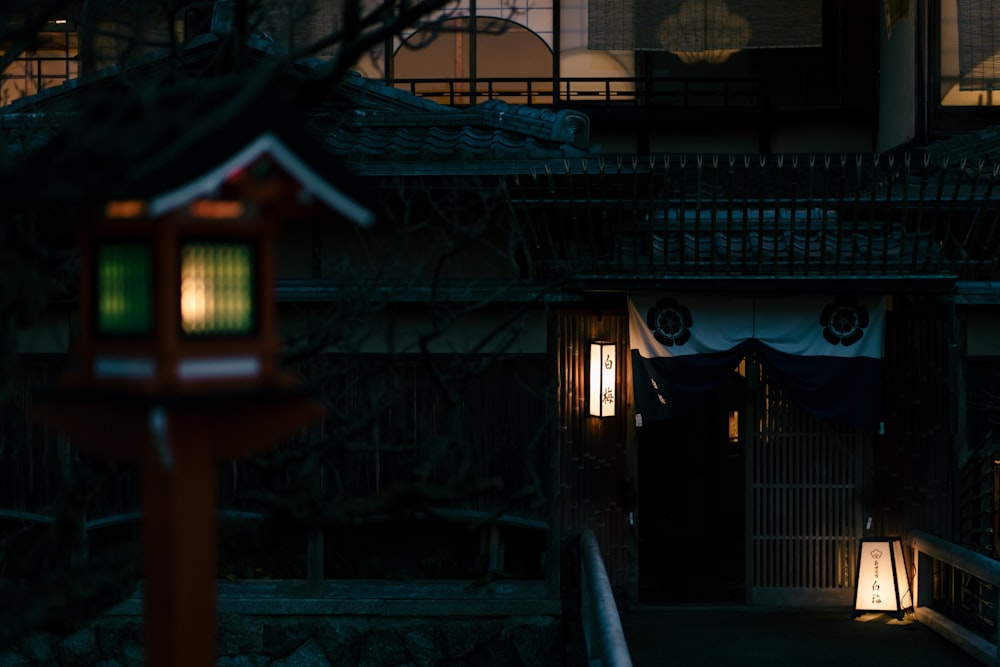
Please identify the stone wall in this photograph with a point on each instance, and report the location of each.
(255, 630)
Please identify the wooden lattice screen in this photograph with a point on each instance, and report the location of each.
(804, 505)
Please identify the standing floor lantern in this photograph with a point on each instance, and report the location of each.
(603, 369)
(882, 583)
(177, 355)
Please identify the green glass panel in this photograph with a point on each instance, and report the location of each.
(217, 285)
(124, 289)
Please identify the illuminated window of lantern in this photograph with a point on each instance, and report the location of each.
(602, 379)
(124, 288)
(217, 288)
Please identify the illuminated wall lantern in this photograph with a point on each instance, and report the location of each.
(603, 369)
(882, 583)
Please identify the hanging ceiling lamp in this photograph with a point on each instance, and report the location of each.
(704, 31)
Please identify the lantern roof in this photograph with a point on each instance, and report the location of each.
(268, 144)
(181, 144)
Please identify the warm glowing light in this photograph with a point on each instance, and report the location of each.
(712, 56)
(734, 427)
(217, 288)
(124, 288)
(216, 210)
(124, 209)
(603, 369)
(883, 584)
(704, 31)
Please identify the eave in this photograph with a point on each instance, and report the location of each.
(860, 284)
(730, 220)
(324, 292)
(977, 293)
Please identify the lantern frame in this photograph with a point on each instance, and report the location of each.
(874, 553)
(603, 378)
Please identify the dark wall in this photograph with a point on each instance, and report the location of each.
(914, 461)
(593, 450)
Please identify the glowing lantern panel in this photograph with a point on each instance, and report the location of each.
(883, 584)
(217, 284)
(124, 289)
(603, 368)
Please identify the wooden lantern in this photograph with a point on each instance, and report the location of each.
(177, 361)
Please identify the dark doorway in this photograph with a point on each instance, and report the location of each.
(692, 542)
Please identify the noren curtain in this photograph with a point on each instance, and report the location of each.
(826, 355)
(704, 25)
(978, 44)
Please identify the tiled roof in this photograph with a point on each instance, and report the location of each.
(983, 144)
(361, 143)
(381, 129)
(139, 148)
(374, 127)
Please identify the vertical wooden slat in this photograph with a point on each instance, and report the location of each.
(697, 212)
(682, 236)
(593, 453)
(873, 189)
(665, 206)
(828, 534)
(802, 567)
(796, 450)
(819, 548)
(786, 530)
(856, 215)
(806, 476)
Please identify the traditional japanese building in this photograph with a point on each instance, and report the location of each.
(779, 220)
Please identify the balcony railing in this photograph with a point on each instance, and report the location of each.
(799, 217)
(723, 93)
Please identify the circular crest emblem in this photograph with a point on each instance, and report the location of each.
(844, 321)
(670, 322)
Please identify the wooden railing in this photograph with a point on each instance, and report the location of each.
(954, 589)
(732, 93)
(772, 216)
(602, 627)
(683, 92)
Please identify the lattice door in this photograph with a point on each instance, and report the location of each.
(804, 510)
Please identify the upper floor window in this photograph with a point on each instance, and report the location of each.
(969, 53)
(800, 54)
(475, 50)
(98, 35)
(51, 62)
(92, 38)
(464, 60)
(707, 30)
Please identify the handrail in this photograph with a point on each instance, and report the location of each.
(473, 517)
(602, 627)
(927, 548)
(731, 93)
